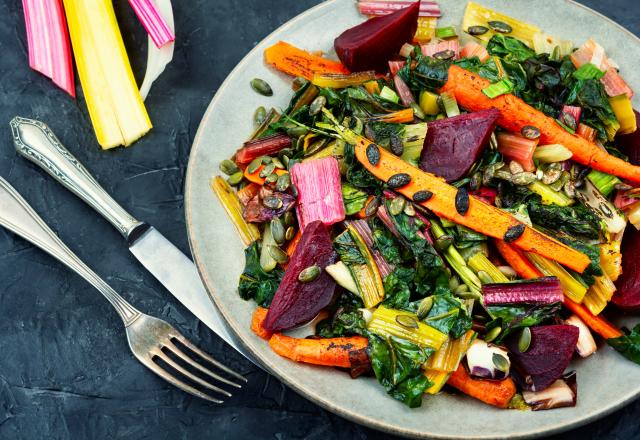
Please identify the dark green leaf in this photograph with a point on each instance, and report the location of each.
(509, 48)
(448, 315)
(255, 283)
(511, 318)
(628, 345)
(348, 250)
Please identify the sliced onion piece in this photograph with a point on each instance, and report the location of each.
(586, 345)
(487, 361)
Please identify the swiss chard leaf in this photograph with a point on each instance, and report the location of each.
(509, 48)
(356, 174)
(448, 315)
(345, 322)
(573, 220)
(397, 364)
(511, 318)
(255, 283)
(397, 288)
(388, 245)
(348, 250)
(628, 345)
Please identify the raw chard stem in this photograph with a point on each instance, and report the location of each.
(153, 21)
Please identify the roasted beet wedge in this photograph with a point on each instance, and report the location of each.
(296, 302)
(453, 144)
(549, 354)
(370, 45)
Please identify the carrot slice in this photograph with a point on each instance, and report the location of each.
(297, 62)
(248, 192)
(257, 322)
(496, 393)
(332, 352)
(515, 114)
(480, 216)
(255, 176)
(596, 323)
(517, 260)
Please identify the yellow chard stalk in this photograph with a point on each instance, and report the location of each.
(117, 112)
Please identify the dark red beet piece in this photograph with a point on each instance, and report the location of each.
(549, 354)
(627, 297)
(265, 146)
(370, 45)
(453, 144)
(296, 302)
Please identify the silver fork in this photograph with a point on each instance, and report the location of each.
(150, 339)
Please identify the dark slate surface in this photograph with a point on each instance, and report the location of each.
(65, 369)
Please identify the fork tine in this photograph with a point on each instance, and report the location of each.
(175, 350)
(191, 376)
(177, 382)
(205, 356)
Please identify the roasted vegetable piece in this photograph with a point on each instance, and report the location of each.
(453, 144)
(297, 62)
(257, 323)
(297, 302)
(496, 393)
(331, 352)
(262, 147)
(627, 297)
(545, 290)
(371, 44)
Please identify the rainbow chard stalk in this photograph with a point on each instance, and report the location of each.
(48, 42)
(153, 21)
(158, 57)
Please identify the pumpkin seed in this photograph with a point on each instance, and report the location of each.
(477, 30)
(398, 180)
(444, 54)
(369, 133)
(396, 206)
(309, 274)
(266, 160)
(297, 131)
(470, 294)
(298, 82)
(228, 167)
(288, 219)
(372, 207)
(462, 201)
(396, 145)
(488, 175)
(454, 282)
(551, 176)
(283, 182)
(235, 178)
(422, 196)
(278, 254)
(261, 86)
(272, 202)
(493, 141)
(315, 147)
(278, 163)
(484, 277)
(443, 242)
(268, 169)
(515, 167)
(570, 188)
(524, 341)
(476, 181)
(569, 120)
(425, 307)
(524, 178)
(530, 132)
(409, 210)
(317, 105)
(373, 154)
(254, 165)
(492, 334)
(407, 321)
(294, 191)
(277, 230)
(500, 27)
(290, 233)
(271, 178)
(500, 362)
(259, 115)
(508, 272)
(417, 111)
(513, 233)
(285, 161)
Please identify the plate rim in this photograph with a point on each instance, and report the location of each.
(307, 394)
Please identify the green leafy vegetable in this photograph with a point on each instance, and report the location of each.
(255, 283)
(511, 318)
(509, 48)
(354, 199)
(348, 249)
(397, 289)
(574, 220)
(389, 246)
(448, 315)
(346, 320)
(628, 345)
(588, 71)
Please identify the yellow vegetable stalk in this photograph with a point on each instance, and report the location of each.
(572, 288)
(477, 15)
(549, 195)
(611, 259)
(448, 357)
(599, 294)
(426, 29)
(405, 325)
(340, 81)
(229, 200)
(117, 112)
(623, 109)
(480, 262)
(437, 378)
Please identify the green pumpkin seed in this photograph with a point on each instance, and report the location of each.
(476, 181)
(417, 111)
(422, 196)
(515, 167)
(278, 254)
(472, 294)
(551, 176)
(259, 115)
(409, 210)
(266, 160)
(407, 321)
(454, 282)
(484, 277)
(425, 307)
(235, 178)
(277, 231)
(503, 175)
(316, 146)
(261, 86)
(373, 154)
(268, 169)
(444, 54)
(228, 167)
(500, 362)
(317, 105)
(290, 233)
(569, 120)
(513, 233)
(254, 165)
(530, 132)
(477, 30)
(278, 163)
(372, 207)
(309, 274)
(294, 191)
(396, 206)
(500, 27)
(288, 219)
(524, 178)
(398, 180)
(297, 131)
(508, 272)
(570, 189)
(272, 202)
(298, 82)
(462, 201)
(285, 161)
(524, 341)
(492, 334)
(443, 242)
(271, 178)
(283, 182)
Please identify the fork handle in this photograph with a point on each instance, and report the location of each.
(35, 141)
(17, 216)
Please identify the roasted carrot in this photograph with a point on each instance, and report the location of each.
(248, 192)
(297, 62)
(496, 393)
(257, 322)
(480, 216)
(587, 132)
(255, 176)
(515, 114)
(596, 323)
(517, 260)
(398, 117)
(332, 352)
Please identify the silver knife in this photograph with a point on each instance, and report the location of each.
(35, 141)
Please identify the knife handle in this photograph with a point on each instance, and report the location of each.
(35, 141)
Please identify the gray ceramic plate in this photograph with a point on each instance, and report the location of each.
(606, 380)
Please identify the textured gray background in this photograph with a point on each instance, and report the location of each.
(65, 369)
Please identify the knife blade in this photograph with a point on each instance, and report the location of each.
(35, 141)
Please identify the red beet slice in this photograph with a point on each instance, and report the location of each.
(453, 144)
(296, 302)
(549, 354)
(370, 45)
